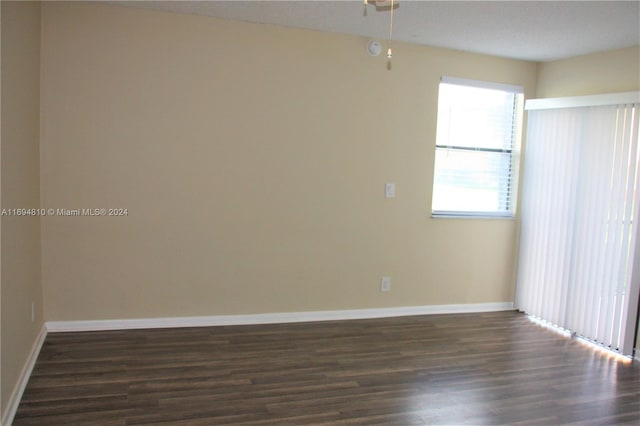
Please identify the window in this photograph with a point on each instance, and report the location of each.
(477, 145)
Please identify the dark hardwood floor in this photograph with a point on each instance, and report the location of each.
(494, 368)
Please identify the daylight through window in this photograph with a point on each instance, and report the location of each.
(477, 147)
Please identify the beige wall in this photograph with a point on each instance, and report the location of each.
(252, 161)
(605, 72)
(21, 280)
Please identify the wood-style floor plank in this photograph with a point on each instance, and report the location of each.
(493, 368)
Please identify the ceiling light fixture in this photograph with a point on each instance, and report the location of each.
(384, 5)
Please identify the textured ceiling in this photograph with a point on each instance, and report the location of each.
(530, 30)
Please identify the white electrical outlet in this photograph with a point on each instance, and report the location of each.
(385, 284)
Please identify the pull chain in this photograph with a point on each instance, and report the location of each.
(389, 52)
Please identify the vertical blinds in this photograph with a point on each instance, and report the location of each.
(580, 203)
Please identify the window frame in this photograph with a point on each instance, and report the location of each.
(514, 151)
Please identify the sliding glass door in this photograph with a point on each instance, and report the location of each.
(578, 263)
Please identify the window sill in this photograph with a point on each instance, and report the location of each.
(454, 215)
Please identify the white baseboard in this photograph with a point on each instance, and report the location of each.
(271, 318)
(23, 378)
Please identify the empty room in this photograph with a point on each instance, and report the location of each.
(319, 212)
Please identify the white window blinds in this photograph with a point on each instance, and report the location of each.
(477, 145)
(580, 203)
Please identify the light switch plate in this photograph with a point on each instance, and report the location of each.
(390, 190)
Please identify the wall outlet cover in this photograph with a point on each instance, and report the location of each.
(385, 284)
